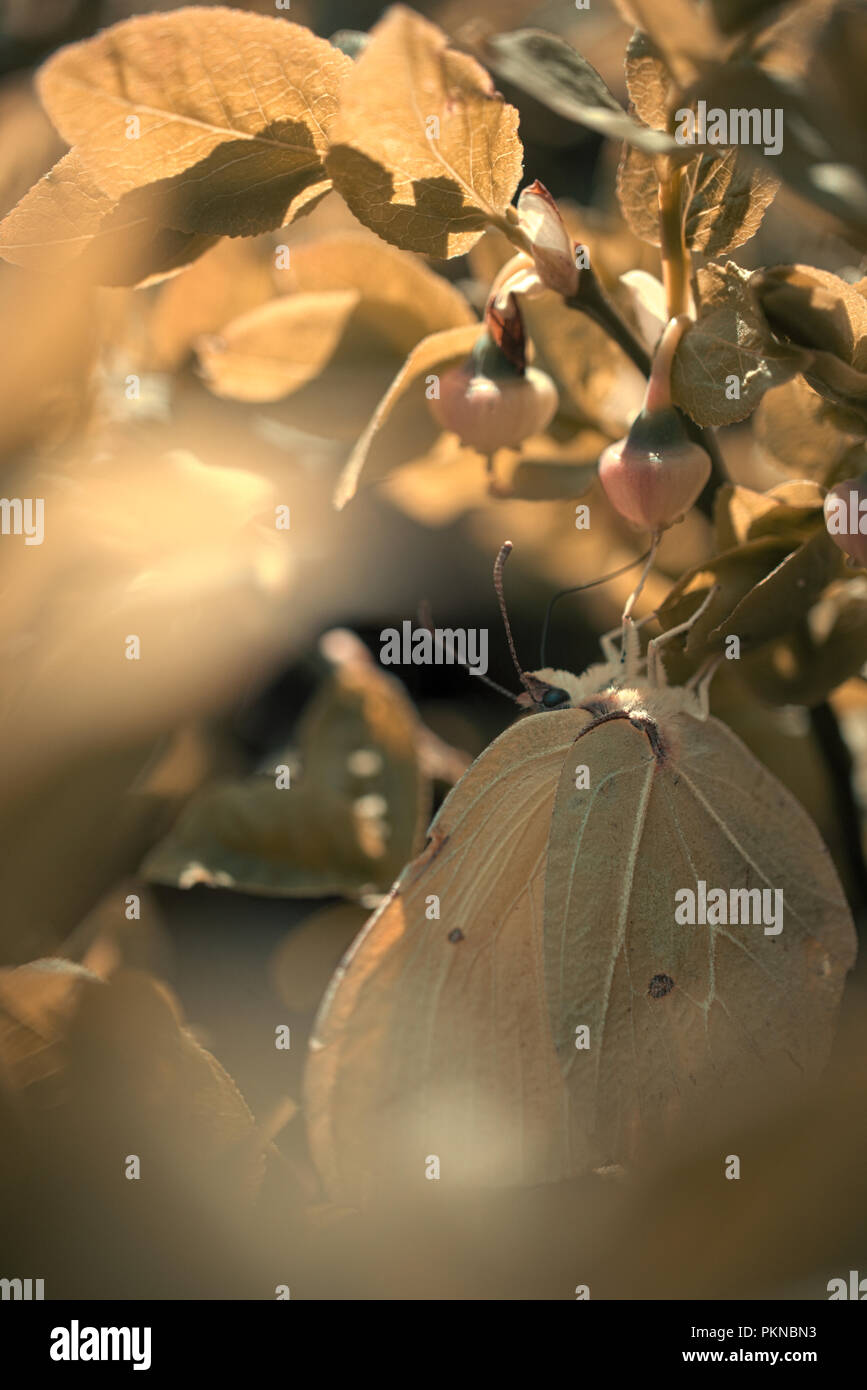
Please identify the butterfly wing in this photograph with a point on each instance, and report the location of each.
(434, 1037)
(677, 1010)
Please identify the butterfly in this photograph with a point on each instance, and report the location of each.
(524, 1006)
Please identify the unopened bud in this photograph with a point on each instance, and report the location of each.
(552, 247)
(488, 413)
(653, 476)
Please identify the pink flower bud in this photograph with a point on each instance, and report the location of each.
(653, 476)
(490, 413)
(552, 247)
(846, 518)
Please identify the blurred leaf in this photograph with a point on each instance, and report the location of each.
(106, 1069)
(791, 513)
(733, 15)
(806, 668)
(403, 428)
(347, 823)
(538, 480)
(233, 114)
(305, 345)
(598, 385)
(424, 151)
(553, 72)
(307, 958)
(729, 338)
(726, 198)
(278, 347)
(808, 436)
(224, 283)
(65, 218)
(682, 32)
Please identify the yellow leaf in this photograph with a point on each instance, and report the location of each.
(65, 218)
(412, 429)
(424, 150)
(230, 111)
(277, 348)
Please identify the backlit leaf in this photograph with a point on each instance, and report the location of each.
(66, 219)
(424, 151)
(228, 112)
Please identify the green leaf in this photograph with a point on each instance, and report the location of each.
(553, 72)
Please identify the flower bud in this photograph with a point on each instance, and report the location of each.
(488, 413)
(846, 518)
(552, 247)
(653, 476)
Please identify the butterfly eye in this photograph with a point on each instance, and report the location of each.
(555, 697)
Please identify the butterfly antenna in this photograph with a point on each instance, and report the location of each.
(534, 688)
(425, 618)
(502, 556)
(575, 589)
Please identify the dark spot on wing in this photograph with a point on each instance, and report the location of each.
(456, 935)
(659, 986)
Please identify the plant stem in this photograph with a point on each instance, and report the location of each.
(675, 256)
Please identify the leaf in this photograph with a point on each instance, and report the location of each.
(763, 592)
(638, 194)
(103, 1069)
(233, 112)
(683, 34)
(403, 299)
(816, 158)
(224, 283)
(734, 15)
(553, 72)
(729, 198)
(348, 821)
(65, 219)
(791, 513)
(424, 151)
(726, 198)
(300, 345)
(825, 316)
(648, 81)
(305, 961)
(278, 348)
(807, 668)
(729, 339)
(809, 437)
(402, 428)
